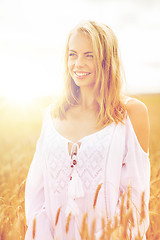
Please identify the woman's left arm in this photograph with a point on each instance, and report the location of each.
(135, 171)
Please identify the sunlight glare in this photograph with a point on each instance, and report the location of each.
(20, 99)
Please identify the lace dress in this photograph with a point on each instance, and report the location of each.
(59, 182)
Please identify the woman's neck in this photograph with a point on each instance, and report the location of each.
(87, 99)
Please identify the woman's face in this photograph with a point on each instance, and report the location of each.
(81, 62)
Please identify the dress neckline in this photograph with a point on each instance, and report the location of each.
(81, 139)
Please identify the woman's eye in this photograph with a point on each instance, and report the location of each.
(72, 54)
(89, 56)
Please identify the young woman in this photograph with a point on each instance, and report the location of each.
(93, 145)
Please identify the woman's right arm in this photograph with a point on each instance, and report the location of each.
(34, 197)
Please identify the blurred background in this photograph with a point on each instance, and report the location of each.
(33, 35)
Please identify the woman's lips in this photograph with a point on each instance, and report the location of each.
(81, 74)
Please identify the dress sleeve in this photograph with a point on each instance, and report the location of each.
(34, 195)
(135, 173)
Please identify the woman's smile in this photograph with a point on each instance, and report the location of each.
(81, 74)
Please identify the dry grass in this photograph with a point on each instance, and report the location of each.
(19, 130)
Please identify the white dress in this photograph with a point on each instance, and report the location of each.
(112, 157)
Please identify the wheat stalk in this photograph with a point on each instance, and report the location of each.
(93, 229)
(34, 228)
(57, 216)
(142, 208)
(68, 222)
(96, 195)
(84, 228)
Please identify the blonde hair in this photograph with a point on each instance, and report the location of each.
(107, 87)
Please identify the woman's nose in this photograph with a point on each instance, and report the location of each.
(79, 62)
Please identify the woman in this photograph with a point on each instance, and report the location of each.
(93, 145)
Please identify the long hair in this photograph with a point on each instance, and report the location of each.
(109, 76)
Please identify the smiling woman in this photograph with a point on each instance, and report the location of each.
(91, 160)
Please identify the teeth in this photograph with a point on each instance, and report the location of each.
(81, 74)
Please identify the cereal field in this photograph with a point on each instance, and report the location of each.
(19, 130)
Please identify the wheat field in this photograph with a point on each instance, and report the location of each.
(19, 130)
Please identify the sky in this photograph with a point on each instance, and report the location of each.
(33, 35)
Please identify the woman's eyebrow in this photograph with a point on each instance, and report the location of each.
(88, 52)
(70, 50)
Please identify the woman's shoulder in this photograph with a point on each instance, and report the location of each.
(135, 108)
(138, 114)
